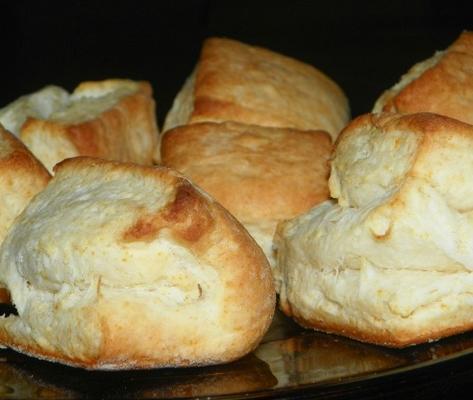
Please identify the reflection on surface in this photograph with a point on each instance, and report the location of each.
(16, 384)
(288, 358)
(315, 358)
(245, 376)
(307, 357)
(441, 350)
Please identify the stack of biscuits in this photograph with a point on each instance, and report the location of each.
(124, 248)
(258, 141)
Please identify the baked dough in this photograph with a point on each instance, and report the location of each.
(21, 177)
(120, 266)
(443, 84)
(390, 260)
(261, 175)
(237, 82)
(112, 119)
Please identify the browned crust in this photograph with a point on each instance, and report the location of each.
(255, 172)
(5, 296)
(83, 163)
(119, 363)
(396, 338)
(243, 269)
(21, 159)
(115, 134)
(298, 96)
(40, 353)
(18, 164)
(212, 234)
(106, 136)
(433, 128)
(436, 134)
(187, 215)
(446, 88)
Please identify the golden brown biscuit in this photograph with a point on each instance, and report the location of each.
(237, 82)
(261, 175)
(120, 266)
(112, 119)
(391, 260)
(21, 177)
(443, 84)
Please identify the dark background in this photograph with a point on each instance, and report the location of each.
(364, 46)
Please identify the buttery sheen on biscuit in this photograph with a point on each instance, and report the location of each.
(390, 261)
(112, 119)
(261, 175)
(120, 266)
(234, 81)
(442, 84)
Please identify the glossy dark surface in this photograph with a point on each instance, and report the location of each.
(290, 362)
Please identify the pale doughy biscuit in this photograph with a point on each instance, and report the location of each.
(120, 266)
(390, 260)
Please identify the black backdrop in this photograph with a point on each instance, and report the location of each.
(364, 46)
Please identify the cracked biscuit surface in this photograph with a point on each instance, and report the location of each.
(119, 266)
(390, 259)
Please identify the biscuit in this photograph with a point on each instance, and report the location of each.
(120, 266)
(22, 176)
(112, 119)
(442, 84)
(390, 260)
(234, 81)
(261, 175)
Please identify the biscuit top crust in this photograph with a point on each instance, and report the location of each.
(377, 153)
(442, 84)
(238, 82)
(87, 101)
(21, 177)
(109, 243)
(257, 173)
